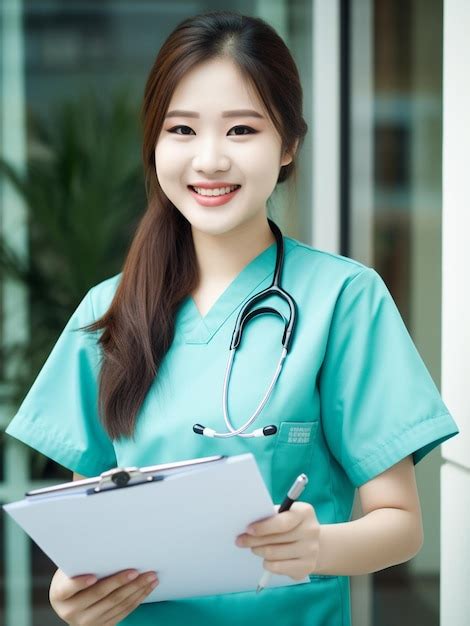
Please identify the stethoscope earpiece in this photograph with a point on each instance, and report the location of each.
(243, 317)
(269, 430)
(199, 429)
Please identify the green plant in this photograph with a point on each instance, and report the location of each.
(83, 190)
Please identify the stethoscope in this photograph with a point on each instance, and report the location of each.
(244, 317)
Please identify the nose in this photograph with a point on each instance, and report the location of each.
(209, 157)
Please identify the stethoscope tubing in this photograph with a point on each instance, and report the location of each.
(242, 318)
(240, 431)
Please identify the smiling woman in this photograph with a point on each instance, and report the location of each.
(355, 407)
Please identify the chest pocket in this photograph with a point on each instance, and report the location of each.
(292, 455)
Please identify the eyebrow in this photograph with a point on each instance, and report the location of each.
(237, 113)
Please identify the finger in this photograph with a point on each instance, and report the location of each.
(247, 541)
(117, 598)
(291, 568)
(67, 587)
(280, 523)
(118, 613)
(90, 596)
(282, 551)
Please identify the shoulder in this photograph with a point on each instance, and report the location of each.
(333, 271)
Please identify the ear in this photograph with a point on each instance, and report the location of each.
(288, 156)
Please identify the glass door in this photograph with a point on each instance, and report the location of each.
(392, 105)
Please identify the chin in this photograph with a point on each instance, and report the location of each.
(214, 224)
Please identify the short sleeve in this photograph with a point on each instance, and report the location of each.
(59, 415)
(379, 403)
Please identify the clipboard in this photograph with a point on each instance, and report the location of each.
(180, 519)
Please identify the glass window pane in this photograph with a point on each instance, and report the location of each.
(395, 190)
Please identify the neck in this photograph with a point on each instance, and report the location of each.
(222, 257)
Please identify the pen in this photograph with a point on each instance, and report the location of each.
(292, 495)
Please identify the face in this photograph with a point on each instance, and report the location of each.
(209, 147)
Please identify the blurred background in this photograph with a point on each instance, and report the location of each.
(72, 75)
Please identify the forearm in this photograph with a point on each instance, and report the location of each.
(380, 539)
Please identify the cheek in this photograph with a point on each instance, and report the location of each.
(166, 161)
(262, 167)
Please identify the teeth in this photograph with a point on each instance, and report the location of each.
(215, 192)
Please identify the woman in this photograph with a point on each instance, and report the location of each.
(354, 406)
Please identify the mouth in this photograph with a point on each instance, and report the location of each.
(212, 195)
(214, 200)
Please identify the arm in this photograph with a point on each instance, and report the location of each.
(390, 532)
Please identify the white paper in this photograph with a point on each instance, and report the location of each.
(183, 527)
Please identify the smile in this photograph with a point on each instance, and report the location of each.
(222, 196)
(219, 191)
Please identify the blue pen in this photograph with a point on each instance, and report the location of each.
(292, 495)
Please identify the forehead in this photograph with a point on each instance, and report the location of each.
(214, 86)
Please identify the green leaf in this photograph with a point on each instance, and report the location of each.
(84, 192)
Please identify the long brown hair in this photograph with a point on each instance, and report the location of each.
(160, 269)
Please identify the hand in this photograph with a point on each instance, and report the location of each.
(103, 603)
(288, 541)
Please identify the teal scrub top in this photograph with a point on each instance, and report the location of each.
(354, 398)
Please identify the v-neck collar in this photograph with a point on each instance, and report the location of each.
(195, 328)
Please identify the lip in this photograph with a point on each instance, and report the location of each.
(213, 185)
(213, 200)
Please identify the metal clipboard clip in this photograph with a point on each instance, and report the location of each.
(122, 477)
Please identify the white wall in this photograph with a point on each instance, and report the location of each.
(455, 473)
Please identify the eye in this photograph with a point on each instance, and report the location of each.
(250, 130)
(173, 130)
